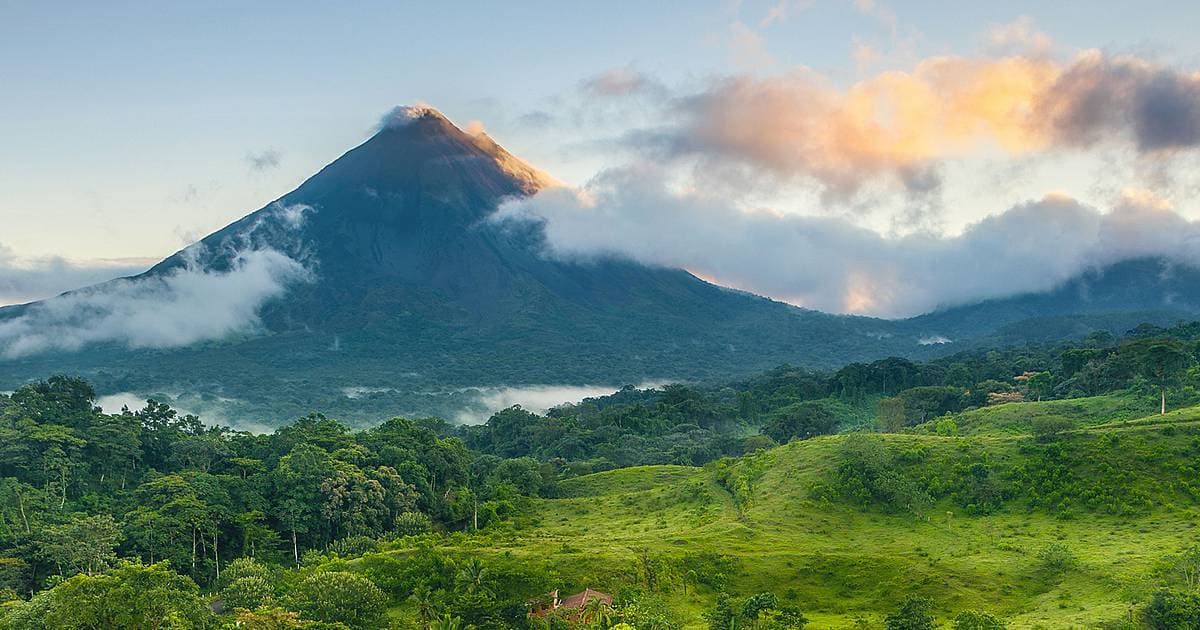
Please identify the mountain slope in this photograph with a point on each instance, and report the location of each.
(1115, 298)
(411, 295)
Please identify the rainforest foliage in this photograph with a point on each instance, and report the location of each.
(147, 516)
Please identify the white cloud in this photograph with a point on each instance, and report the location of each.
(534, 398)
(24, 279)
(176, 308)
(830, 264)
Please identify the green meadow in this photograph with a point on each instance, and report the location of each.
(1117, 495)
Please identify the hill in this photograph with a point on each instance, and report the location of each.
(779, 521)
(1076, 512)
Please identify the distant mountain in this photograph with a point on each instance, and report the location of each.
(414, 297)
(1115, 298)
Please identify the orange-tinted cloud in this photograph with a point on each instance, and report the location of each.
(900, 122)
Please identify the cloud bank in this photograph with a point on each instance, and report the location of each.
(180, 307)
(534, 398)
(832, 265)
(899, 124)
(27, 279)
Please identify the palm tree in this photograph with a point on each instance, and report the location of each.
(597, 612)
(422, 596)
(471, 578)
(446, 622)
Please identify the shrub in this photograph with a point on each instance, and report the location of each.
(867, 474)
(1057, 559)
(946, 427)
(244, 567)
(1050, 428)
(248, 592)
(1173, 610)
(801, 420)
(353, 546)
(412, 524)
(978, 620)
(337, 596)
(913, 614)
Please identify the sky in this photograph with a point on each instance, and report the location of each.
(839, 155)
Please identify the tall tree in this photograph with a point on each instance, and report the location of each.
(1162, 361)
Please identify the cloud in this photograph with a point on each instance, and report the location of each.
(748, 49)
(832, 265)
(264, 160)
(176, 308)
(782, 10)
(1019, 36)
(620, 82)
(536, 119)
(26, 279)
(534, 398)
(1100, 96)
(894, 124)
(402, 115)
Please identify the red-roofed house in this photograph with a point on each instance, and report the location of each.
(550, 602)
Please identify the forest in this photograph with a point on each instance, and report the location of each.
(153, 519)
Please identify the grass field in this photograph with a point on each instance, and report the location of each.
(846, 564)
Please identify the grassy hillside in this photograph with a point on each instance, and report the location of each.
(1113, 499)
(1020, 418)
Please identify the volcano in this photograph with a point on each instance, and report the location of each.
(410, 295)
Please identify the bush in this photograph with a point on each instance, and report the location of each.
(412, 524)
(244, 567)
(914, 614)
(1050, 428)
(946, 427)
(978, 620)
(248, 592)
(337, 596)
(801, 420)
(1173, 610)
(353, 546)
(1057, 559)
(867, 474)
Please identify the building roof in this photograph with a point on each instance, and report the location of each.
(580, 599)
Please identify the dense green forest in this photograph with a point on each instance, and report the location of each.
(152, 519)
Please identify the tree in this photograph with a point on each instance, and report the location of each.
(412, 524)
(978, 620)
(891, 414)
(1173, 610)
(354, 504)
(755, 605)
(722, 616)
(913, 614)
(422, 597)
(1040, 384)
(1185, 567)
(802, 420)
(1162, 361)
(448, 622)
(132, 596)
(249, 592)
(268, 618)
(298, 498)
(85, 544)
(472, 578)
(338, 596)
(596, 612)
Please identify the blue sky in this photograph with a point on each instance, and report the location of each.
(128, 129)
